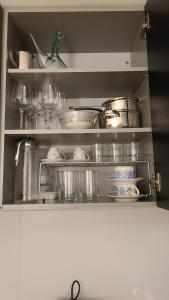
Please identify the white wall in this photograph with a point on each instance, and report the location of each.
(109, 251)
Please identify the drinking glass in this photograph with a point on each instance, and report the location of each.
(117, 152)
(79, 187)
(22, 98)
(132, 152)
(91, 185)
(97, 152)
(54, 102)
(67, 186)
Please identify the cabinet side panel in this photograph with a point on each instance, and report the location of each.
(158, 57)
(3, 95)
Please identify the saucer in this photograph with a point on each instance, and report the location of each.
(125, 199)
(129, 181)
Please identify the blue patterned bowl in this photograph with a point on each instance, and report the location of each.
(79, 119)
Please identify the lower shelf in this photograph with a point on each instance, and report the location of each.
(77, 206)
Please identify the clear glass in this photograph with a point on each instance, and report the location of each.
(40, 107)
(66, 186)
(117, 152)
(133, 152)
(22, 99)
(91, 185)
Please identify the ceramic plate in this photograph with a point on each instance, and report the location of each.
(133, 180)
(125, 199)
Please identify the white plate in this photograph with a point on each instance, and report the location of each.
(125, 199)
(132, 180)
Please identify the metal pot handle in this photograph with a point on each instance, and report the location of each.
(96, 108)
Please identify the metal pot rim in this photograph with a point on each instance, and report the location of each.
(120, 98)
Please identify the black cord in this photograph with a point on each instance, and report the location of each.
(75, 282)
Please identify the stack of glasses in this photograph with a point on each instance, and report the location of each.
(116, 152)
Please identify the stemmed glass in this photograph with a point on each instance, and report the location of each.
(53, 101)
(36, 102)
(48, 100)
(40, 106)
(22, 97)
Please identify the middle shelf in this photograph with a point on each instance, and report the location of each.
(80, 136)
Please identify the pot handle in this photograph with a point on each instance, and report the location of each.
(96, 108)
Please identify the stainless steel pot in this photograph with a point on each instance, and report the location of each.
(114, 118)
(125, 118)
(116, 112)
(120, 103)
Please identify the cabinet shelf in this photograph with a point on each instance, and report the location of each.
(68, 163)
(79, 206)
(83, 83)
(80, 136)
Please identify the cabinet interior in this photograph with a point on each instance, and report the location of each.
(106, 58)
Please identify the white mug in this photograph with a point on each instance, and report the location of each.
(55, 154)
(125, 190)
(20, 59)
(124, 172)
(80, 154)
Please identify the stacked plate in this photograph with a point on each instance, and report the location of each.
(124, 188)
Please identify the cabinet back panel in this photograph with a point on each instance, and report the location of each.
(83, 31)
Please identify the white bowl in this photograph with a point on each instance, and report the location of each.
(79, 119)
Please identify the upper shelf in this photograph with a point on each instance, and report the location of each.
(83, 31)
(82, 83)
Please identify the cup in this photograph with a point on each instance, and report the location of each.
(80, 154)
(124, 172)
(20, 59)
(55, 154)
(125, 190)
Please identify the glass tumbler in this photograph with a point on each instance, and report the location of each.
(66, 186)
(97, 152)
(117, 152)
(133, 152)
(79, 186)
(91, 185)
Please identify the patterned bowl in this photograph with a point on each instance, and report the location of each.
(84, 119)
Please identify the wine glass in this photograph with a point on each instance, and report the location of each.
(22, 98)
(48, 100)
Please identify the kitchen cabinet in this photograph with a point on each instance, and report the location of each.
(106, 55)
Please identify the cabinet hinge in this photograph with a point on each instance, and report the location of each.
(146, 26)
(156, 182)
